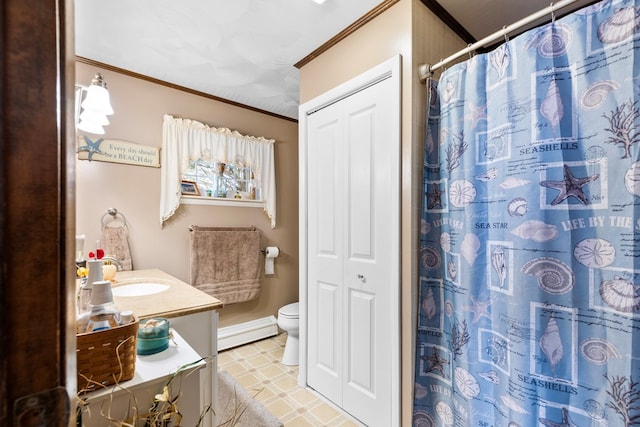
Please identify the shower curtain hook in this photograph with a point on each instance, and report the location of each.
(506, 37)
(553, 15)
(469, 50)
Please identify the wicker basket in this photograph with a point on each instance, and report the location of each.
(106, 357)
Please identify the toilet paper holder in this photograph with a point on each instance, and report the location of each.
(264, 251)
(270, 253)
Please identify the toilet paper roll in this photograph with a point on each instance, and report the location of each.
(271, 252)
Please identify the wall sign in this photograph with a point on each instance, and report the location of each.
(118, 151)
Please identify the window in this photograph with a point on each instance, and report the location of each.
(223, 180)
(193, 151)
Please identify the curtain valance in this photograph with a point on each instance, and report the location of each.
(184, 140)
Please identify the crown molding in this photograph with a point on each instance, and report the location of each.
(135, 75)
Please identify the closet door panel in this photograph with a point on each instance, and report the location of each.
(360, 195)
(328, 351)
(326, 192)
(360, 375)
(325, 253)
(368, 276)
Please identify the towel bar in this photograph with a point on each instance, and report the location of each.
(113, 212)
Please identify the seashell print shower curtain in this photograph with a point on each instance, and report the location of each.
(529, 289)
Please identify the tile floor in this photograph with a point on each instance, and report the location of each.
(256, 366)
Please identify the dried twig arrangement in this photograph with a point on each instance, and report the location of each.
(164, 410)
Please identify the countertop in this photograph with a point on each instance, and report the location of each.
(179, 300)
(157, 367)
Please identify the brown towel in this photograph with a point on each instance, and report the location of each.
(225, 262)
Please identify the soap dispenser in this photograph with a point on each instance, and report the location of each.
(84, 294)
(83, 305)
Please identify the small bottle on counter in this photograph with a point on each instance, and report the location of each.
(104, 313)
(84, 297)
(126, 317)
(82, 322)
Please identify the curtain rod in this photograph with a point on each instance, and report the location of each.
(425, 70)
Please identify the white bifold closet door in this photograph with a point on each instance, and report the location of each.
(352, 233)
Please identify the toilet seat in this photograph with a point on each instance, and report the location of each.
(290, 311)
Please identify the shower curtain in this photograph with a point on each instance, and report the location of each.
(529, 296)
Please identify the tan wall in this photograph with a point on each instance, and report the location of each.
(135, 190)
(408, 28)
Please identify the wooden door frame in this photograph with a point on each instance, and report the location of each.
(37, 220)
(388, 69)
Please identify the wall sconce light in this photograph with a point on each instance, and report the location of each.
(95, 107)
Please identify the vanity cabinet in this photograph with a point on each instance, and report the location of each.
(152, 373)
(205, 342)
(193, 317)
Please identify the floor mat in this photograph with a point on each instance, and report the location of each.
(238, 408)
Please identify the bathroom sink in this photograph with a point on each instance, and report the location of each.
(139, 289)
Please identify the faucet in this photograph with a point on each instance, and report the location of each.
(114, 260)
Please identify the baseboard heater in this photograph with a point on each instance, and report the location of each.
(243, 333)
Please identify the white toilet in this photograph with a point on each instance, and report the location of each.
(289, 321)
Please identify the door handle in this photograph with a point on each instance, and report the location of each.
(362, 278)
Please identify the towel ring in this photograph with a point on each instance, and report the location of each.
(113, 212)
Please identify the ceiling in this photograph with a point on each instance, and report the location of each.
(481, 18)
(245, 50)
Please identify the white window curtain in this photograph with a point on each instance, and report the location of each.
(184, 140)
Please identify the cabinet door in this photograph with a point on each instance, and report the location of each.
(352, 239)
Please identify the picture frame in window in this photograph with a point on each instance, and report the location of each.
(189, 188)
